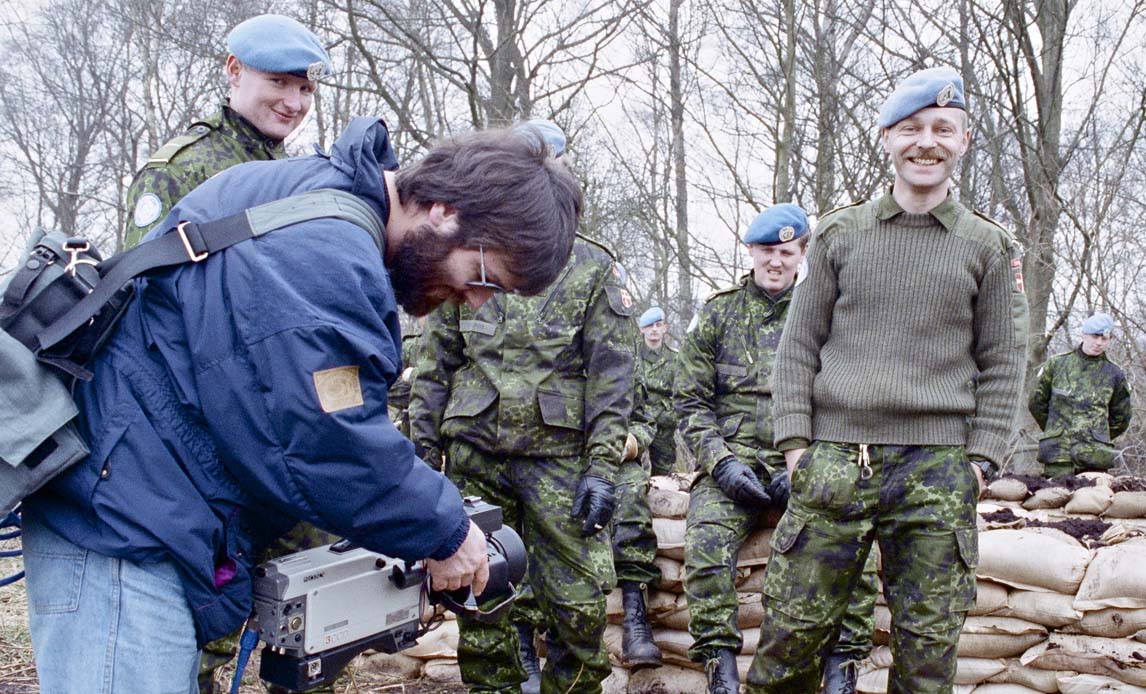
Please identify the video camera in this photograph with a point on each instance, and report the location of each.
(317, 609)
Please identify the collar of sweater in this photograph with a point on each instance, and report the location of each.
(947, 212)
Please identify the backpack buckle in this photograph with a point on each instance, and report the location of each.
(76, 247)
(195, 257)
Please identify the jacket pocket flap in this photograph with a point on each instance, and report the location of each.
(561, 410)
(787, 532)
(469, 402)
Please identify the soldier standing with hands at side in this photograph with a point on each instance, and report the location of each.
(1082, 401)
(528, 400)
(909, 299)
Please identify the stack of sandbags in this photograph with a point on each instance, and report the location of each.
(1052, 614)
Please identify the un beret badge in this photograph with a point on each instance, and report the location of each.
(787, 233)
(945, 95)
(316, 70)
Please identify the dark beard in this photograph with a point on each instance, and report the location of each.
(417, 266)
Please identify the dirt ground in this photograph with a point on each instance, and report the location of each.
(18, 673)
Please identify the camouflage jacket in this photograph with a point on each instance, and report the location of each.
(658, 367)
(178, 167)
(544, 376)
(1081, 398)
(723, 392)
(643, 421)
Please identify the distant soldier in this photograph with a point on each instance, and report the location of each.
(657, 363)
(1082, 402)
(908, 299)
(528, 400)
(634, 540)
(272, 71)
(724, 399)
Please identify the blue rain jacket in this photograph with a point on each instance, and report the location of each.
(246, 392)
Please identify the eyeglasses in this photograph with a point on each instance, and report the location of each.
(483, 283)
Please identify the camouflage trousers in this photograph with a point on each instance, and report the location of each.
(715, 531)
(568, 574)
(216, 654)
(1064, 456)
(634, 542)
(662, 450)
(918, 502)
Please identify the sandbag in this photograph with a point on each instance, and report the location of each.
(755, 550)
(1007, 489)
(1122, 659)
(666, 678)
(750, 613)
(1033, 559)
(617, 682)
(752, 581)
(989, 598)
(670, 537)
(439, 643)
(977, 670)
(998, 637)
(992, 688)
(1048, 497)
(1113, 622)
(1095, 684)
(1127, 505)
(1116, 577)
(396, 665)
(672, 573)
(1041, 607)
(668, 503)
(1092, 500)
(1033, 678)
(444, 670)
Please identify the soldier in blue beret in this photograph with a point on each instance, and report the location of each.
(272, 71)
(1082, 402)
(908, 298)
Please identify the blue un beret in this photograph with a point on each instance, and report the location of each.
(274, 43)
(1098, 324)
(936, 86)
(651, 316)
(553, 135)
(777, 224)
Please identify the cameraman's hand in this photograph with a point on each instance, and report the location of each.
(593, 502)
(469, 566)
(739, 483)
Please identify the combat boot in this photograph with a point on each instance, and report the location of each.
(637, 647)
(839, 674)
(529, 660)
(723, 678)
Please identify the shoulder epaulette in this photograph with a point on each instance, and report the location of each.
(727, 290)
(834, 210)
(599, 245)
(992, 222)
(164, 155)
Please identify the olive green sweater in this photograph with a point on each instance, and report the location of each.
(909, 329)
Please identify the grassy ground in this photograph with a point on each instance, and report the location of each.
(18, 673)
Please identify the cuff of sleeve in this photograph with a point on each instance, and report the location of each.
(792, 444)
(599, 468)
(792, 426)
(987, 445)
(447, 548)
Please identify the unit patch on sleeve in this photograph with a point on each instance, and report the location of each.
(338, 388)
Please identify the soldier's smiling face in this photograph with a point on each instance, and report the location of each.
(1094, 345)
(774, 267)
(274, 102)
(926, 146)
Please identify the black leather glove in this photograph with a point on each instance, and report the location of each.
(740, 484)
(593, 503)
(780, 489)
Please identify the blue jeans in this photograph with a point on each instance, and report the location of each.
(105, 625)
